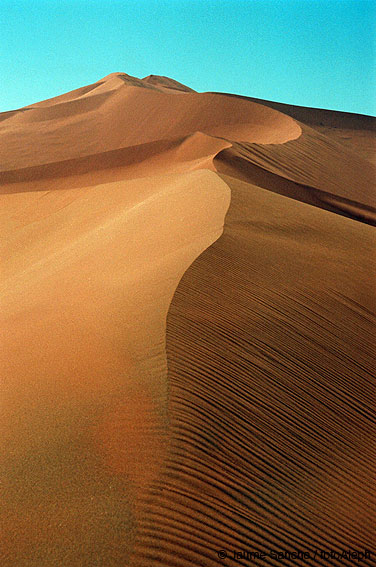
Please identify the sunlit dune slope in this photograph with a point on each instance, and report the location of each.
(87, 278)
(188, 309)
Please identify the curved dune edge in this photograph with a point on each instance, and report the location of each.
(313, 169)
(355, 132)
(270, 376)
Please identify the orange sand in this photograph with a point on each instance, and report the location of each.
(148, 422)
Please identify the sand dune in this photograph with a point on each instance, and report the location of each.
(188, 313)
(124, 115)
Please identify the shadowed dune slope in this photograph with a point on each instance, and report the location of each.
(149, 422)
(271, 355)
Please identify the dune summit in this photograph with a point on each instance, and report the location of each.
(188, 311)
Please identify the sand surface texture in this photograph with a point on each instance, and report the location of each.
(188, 309)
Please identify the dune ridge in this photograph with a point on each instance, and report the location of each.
(267, 453)
(188, 311)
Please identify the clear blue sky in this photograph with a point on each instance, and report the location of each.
(308, 52)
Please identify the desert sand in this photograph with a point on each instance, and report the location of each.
(188, 309)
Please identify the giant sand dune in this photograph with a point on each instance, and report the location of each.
(188, 310)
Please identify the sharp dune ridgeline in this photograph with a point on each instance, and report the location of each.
(188, 315)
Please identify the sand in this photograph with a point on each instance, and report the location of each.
(187, 303)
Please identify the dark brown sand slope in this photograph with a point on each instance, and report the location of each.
(269, 341)
(150, 422)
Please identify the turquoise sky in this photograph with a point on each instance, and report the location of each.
(319, 53)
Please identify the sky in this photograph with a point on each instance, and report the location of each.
(317, 53)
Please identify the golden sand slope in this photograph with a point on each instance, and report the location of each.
(256, 432)
(85, 292)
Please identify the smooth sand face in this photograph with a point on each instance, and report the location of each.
(254, 429)
(87, 288)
